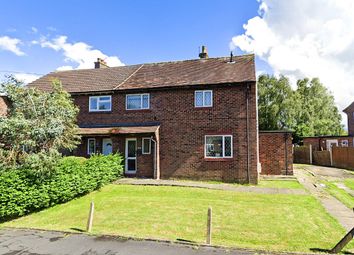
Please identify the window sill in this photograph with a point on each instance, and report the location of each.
(99, 112)
(218, 159)
(138, 110)
(203, 108)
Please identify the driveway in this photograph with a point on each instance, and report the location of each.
(34, 242)
(327, 173)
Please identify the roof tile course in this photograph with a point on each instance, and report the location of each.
(154, 75)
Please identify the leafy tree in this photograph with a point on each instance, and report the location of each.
(316, 112)
(309, 110)
(39, 124)
(274, 102)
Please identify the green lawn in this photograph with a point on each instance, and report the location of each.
(349, 183)
(340, 194)
(270, 222)
(285, 184)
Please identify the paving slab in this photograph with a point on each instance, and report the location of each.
(205, 185)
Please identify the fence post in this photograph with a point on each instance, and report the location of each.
(310, 149)
(90, 217)
(209, 226)
(330, 156)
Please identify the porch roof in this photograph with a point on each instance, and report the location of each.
(118, 130)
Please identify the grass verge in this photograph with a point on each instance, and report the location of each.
(285, 184)
(340, 194)
(268, 222)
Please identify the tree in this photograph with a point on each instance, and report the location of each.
(309, 110)
(316, 113)
(274, 102)
(38, 122)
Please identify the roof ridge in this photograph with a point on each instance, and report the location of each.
(128, 77)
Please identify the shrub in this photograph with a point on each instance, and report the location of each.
(22, 192)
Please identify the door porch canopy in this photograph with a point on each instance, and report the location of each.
(104, 131)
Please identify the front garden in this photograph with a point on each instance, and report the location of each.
(276, 222)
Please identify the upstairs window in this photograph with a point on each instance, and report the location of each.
(218, 146)
(100, 103)
(138, 101)
(203, 98)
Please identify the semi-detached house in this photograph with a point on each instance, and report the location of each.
(194, 119)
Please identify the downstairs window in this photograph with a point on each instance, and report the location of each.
(218, 146)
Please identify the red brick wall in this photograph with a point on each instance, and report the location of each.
(275, 153)
(3, 106)
(183, 127)
(349, 111)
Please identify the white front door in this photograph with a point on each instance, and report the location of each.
(107, 146)
(130, 156)
(331, 143)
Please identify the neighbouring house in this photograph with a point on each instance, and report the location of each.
(194, 119)
(4, 104)
(320, 143)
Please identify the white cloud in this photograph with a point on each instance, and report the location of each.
(65, 68)
(26, 78)
(34, 30)
(11, 44)
(79, 53)
(302, 38)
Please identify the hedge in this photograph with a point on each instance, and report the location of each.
(22, 192)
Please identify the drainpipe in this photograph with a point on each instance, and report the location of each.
(248, 132)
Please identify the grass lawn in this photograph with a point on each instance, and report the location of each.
(286, 184)
(271, 222)
(349, 183)
(340, 194)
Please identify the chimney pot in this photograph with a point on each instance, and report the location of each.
(100, 63)
(204, 52)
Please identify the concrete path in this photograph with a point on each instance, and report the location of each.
(222, 186)
(32, 242)
(311, 176)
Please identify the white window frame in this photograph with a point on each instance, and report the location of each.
(223, 147)
(142, 141)
(204, 105)
(88, 146)
(98, 101)
(141, 101)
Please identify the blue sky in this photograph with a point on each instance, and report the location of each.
(134, 31)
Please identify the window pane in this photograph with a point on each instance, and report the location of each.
(207, 98)
(134, 102)
(91, 146)
(104, 105)
(145, 101)
(228, 146)
(199, 98)
(214, 146)
(146, 146)
(105, 98)
(93, 103)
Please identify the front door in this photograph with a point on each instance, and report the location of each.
(130, 156)
(106, 146)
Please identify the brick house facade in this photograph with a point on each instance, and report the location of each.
(193, 119)
(3, 105)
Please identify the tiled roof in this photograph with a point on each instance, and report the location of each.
(155, 75)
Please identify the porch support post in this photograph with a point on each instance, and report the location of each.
(157, 153)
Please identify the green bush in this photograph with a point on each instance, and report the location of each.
(22, 192)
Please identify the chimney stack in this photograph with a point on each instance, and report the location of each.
(100, 63)
(204, 53)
